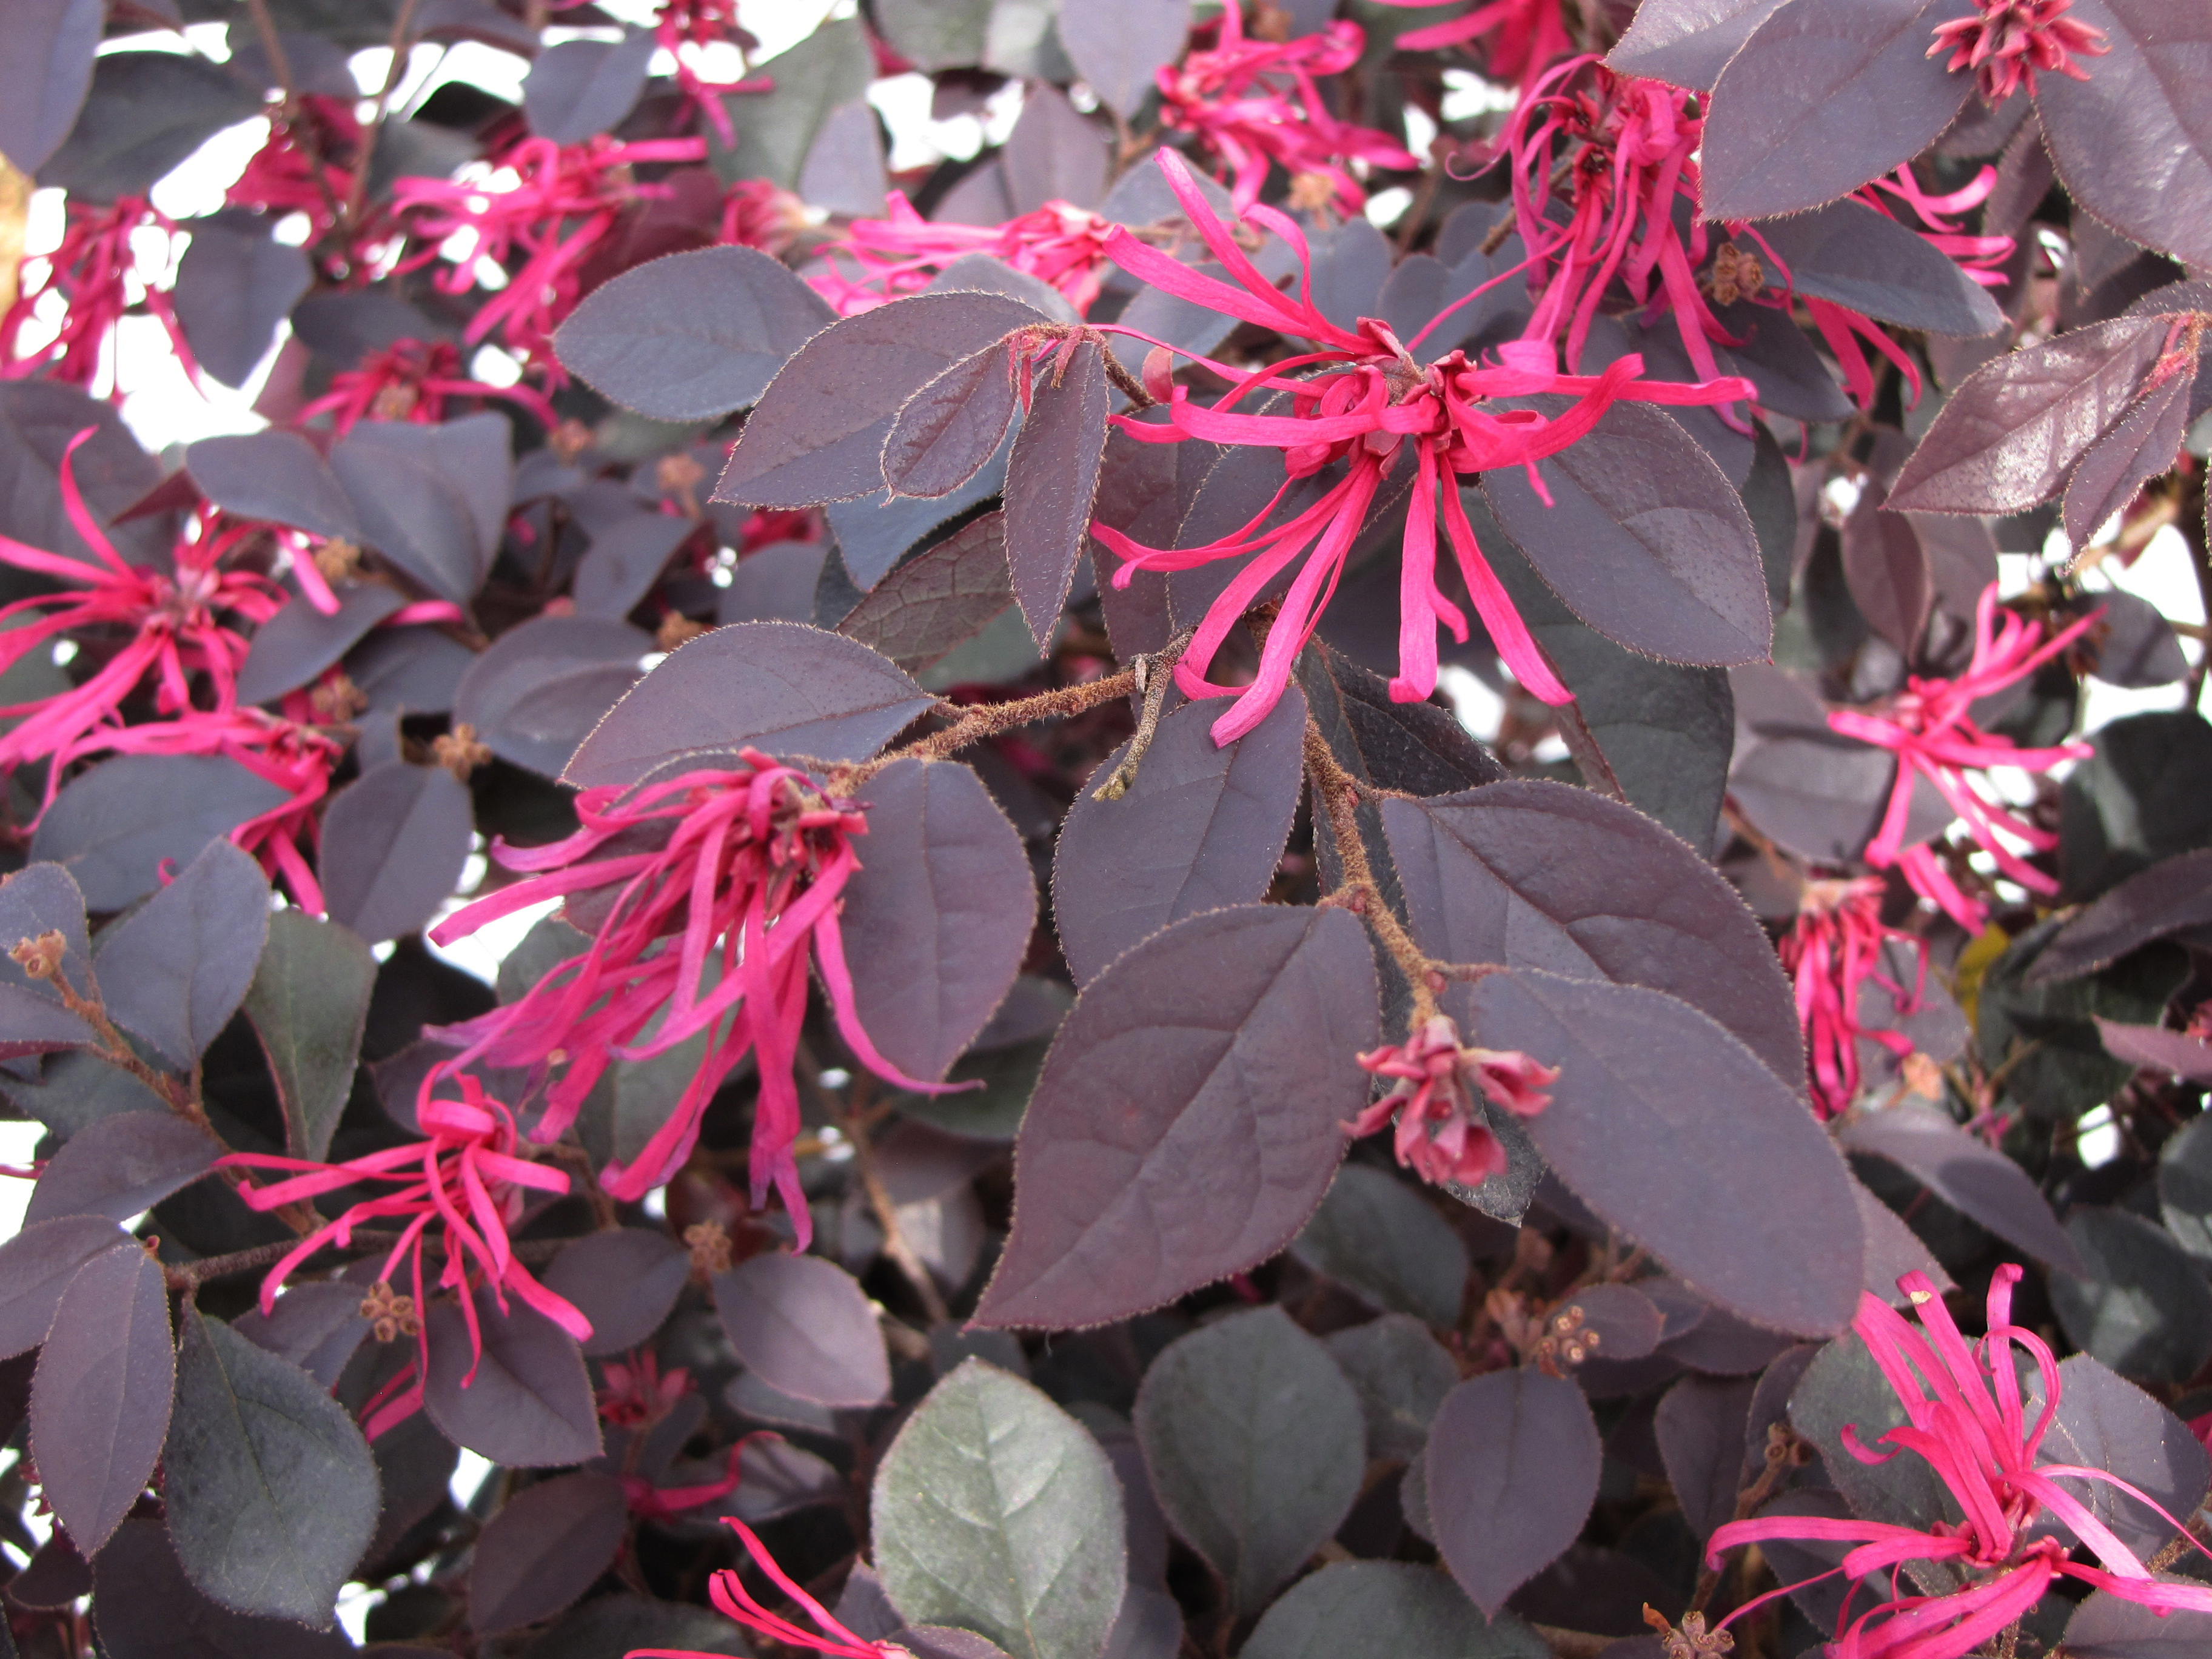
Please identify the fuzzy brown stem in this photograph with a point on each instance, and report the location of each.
(402, 30)
(1336, 796)
(977, 721)
(1154, 676)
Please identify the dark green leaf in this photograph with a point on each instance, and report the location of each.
(2143, 1307)
(1380, 1239)
(2045, 1035)
(308, 1003)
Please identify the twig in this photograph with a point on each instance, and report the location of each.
(976, 721)
(402, 29)
(1153, 678)
(271, 43)
(1336, 795)
(1596, 771)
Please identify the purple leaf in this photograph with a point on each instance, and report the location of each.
(943, 436)
(144, 1608)
(2131, 644)
(1646, 541)
(804, 1326)
(1752, 1207)
(819, 433)
(29, 1025)
(624, 1281)
(1893, 1249)
(113, 827)
(1201, 827)
(394, 841)
(580, 88)
(37, 1265)
(530, 1405)
(234, 284)
(1823, 96)
(432, 499)
(2104, 1422)
(1823, 795)
(42, 898)
(99, 1403)
(1700, 1425)
(38, 419)
(175, 971)
(2109, 1626)
(844, 171)
(2005, 439)
(415, 668)
(1888, 571)
(272, 1494)
(937, 601)
(1621, 1320)
(1539, 875)
(1973, 1178)
(1381, 1607)
(1722, 1345)
(541, 687)
(1512, 1462)
(1351, 264)
(778, 584)
(2141, 448)
(1415, 747)
(1055, 154)
(2174, 1053)
(1254, 1443)
(1116, 50)
(1051, 482)
(1850, 253)
(117, 1166)
(2131, 142)
(691, 335)
(309, 1005)
(1386, 1243)
(1686, 43)
(315, 1326)
(545, 1548)
(938, 917)
(300, 642)
(146, 111)
(1189, 1116)
(47, 46)
(2141, 1305)
(777, 686)
(874, 532)
(625, 559)
(2174, 894)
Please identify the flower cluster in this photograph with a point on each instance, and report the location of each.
(412, 381)
(1442, 1135)
(683, 29)
(711, 891)
(308, 166)
(96, 270)
(1834, 947)
(1530, 35)
(1365, 402)
(1967, 1420)
(1250, 102)
(1059, 244)
(465, 1176)
(1930, 727)
(2007, 43)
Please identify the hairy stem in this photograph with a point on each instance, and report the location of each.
(974, 723)
(1336, 796)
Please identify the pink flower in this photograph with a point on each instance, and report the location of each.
(1930, 728)
(466, 1176)
(1441, 1136)
(1366, 398)
(2007, 42)
(95, 272)
(176, 624)
(728, 1591)
(1832, 949)
(411, 381)
(1250, 102)
(637, 1393)
(685, 26)
(1531, 35)
(1967, 1420)
(758, 214)
(562, 204)
(1059, 244)
(713, 886)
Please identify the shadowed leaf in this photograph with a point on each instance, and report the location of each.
(543, 1550)
(1512, 1465)
(100, 1402)
(804, 1326)
(309, 1003)
(393, 845)
(175, 971)
(118, 1166)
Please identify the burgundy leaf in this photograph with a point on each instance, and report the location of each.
(1622, 1322)
(541, 688)
(1512, 1463)
(315, 1326)
(1055, 154)
(47, 46)
(1201, 827)
(309, 1006)
(393, 844)
(1539, 875)
(42, 898)
(300, 642)
(1750, 1206)
(777, 686)
(1117, 49)
(937, 601)
(2175, 1053)
(38, 420)
(235, 283)
(1646, 541)
(1972, 1177)
(1415, 747)
(2131, 142)
(624, 1281)
(37, 1265)
(2105, 1422)
(691, 335)
(1888, 571)
(2109, 1626)
(1051, 481)
(113, 827)
(1700, 1425)
(100, 1405)
(29, 1025)
(544, 1549)
(943, 436)
(2131, 644)
(1722, 1345)
(938, 917)
(1823, 796)
(778, 584)
(1893, 1249)
(1823, 96)
(146, 111)
(2007, 437)
(580, 88)
(530, 1404)
(2141, 448)
(175, 971)
(115, 1167)
(144, 1608)
(1849, 253)
(414, 668)
(1189, 1116)
(1686, 43)
(433, 500)
(804, 1326)
(844, 170)
(624, 560)
(817, 434)
(2174, 894)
